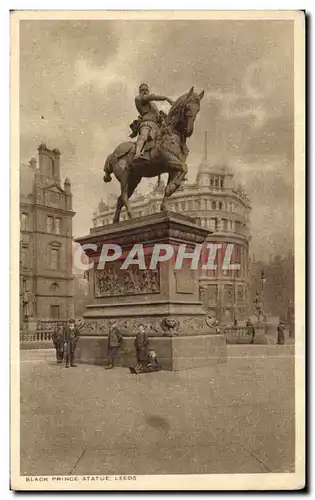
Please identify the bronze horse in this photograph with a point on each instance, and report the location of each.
(168, 154)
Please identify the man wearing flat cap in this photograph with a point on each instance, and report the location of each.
(71, 336)
(115, 339)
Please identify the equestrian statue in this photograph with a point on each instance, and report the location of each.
(160, 147)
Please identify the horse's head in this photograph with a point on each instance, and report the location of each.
(184, 111)
(191, 109)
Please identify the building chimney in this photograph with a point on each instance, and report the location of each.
(33, 163)
(67, 185)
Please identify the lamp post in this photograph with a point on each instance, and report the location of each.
(262, 281)
(234, 299)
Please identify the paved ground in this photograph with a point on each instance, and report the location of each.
(236, 418)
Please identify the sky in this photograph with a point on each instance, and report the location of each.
(78, 80)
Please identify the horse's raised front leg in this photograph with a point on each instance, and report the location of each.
(175, 180)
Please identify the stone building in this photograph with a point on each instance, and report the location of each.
(45, 238)
(215, 203)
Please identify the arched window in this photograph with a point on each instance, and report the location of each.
(220, 205)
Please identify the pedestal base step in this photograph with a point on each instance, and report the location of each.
(174, 353)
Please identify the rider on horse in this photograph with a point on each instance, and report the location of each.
(149, 119)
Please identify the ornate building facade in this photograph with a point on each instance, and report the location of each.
(214, 203)
(45, 239)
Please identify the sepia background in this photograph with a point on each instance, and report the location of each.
(78, 80)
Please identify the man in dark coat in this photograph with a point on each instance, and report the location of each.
(141, 345)
(114, 340)
(57, 339)
(71, 336)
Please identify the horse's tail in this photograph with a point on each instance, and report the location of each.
(108, 168)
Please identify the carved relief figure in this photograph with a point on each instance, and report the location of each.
(113, 281)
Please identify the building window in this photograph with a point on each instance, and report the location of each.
(24, 221)
(54, 312)
(220, 205)
(49, 224)
(221, 183)
(211, 181)
(54, 258)
(24, 256)
(213, 205)
(57, 225)
(212, 224)
(216, 182)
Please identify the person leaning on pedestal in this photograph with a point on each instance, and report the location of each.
(114, 340)
(152, 365)
(71, 336)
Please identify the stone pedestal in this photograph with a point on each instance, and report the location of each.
(32, 325)
(164, 299)
(260, 332)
